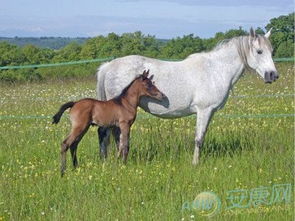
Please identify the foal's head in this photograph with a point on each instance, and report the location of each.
(147, 87)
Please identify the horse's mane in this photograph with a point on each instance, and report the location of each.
(239, 39)
(243, 45)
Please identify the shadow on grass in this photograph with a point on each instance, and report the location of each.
(218, 148)
(174, 148)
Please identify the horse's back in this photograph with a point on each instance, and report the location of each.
(115, 75)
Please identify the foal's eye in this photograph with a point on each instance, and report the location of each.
(149, 85)
(259, 51)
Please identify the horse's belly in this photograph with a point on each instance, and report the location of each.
(166, 108)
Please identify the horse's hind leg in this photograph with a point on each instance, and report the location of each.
(104, 140)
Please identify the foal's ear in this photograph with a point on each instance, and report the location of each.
(145, 73)
(142, 76)
(151, 77)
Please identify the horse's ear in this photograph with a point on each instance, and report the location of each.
(252, 33)
(268, 33)
(151, 77)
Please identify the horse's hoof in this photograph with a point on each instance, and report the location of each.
(195, 162)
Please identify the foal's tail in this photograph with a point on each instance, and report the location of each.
(62, 109)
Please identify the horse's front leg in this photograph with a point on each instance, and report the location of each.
(203, 119)
(104, 140)
(124, 141)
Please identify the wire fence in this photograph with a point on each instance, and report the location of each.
(148, 116)
(101, 60)
(56, 64)
(66, 98)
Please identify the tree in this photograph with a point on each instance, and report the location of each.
(182, 47)
(234, 33)
(220, 36)
(259, 31)
(282, 37)
(30, 53)
(10, 54)
(132, 43)
(285, 49)
(111, 47)
(69, 53)
(89, 49)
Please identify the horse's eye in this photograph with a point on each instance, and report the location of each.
(259, 51)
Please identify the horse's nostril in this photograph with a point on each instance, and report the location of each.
(268, 77)
(271, 75)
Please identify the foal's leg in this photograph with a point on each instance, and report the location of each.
(116, 133)
(104, 140)
(64, 148)
(73, 149)
(203, 119)
(74, 146)
(68, 142)
(124, 141)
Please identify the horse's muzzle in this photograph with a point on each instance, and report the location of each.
(270, 76)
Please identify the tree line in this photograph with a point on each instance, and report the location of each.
(282, 39)
(43, 42)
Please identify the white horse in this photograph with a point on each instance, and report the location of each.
(199, 84)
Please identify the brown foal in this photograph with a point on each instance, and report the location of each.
(119, 111)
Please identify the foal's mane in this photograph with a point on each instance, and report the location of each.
(117, 99)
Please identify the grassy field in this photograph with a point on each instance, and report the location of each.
(158, 182)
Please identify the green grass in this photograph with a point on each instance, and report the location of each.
(239, 153)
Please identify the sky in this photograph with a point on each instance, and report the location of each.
(162, 18)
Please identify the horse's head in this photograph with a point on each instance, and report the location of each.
(260, 56)
(148, 87)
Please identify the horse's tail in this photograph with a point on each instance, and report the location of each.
(62, 109)
(101, 95)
